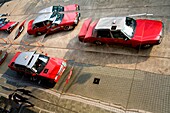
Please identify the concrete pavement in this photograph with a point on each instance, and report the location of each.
(130, 80)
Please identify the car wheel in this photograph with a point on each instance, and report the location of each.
(8, 31)
(146, 46)
(38, 33)
(78, 8)
(98, 42)
(75, 24)
(33, 78)
(160, 40)
(67, 28)
(52, 82)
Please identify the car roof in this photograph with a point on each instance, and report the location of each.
(43, 17)
(112, 23)
(45, 10)
(25, 57)
(49, 16)
(51, 9)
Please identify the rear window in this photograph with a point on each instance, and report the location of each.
(40, 24)
(103, 33)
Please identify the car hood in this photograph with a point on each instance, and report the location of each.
(51, 69)
(69, 17)
(147, 29)
(29, 29)
(71, 7)
(6, 26)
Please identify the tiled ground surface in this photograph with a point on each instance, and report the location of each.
(130, 80)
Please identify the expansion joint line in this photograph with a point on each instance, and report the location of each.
(135, 68)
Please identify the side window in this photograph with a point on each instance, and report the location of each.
(103, 34)
(47, 22)
(118, 34)
(53, 25)
(19, 67)
(28, 70)
(40, 24)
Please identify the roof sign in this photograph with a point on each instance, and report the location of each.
(26, 57)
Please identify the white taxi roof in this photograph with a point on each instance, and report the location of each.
(108, 22)
(43, 17)
(46, 10)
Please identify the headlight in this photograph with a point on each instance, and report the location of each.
(64, 63)
(76, 21)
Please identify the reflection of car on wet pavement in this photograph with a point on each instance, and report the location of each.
(38, 66)
(3, 56)
(122, 30)
(53, 22)
(59, 8)
(7, 25)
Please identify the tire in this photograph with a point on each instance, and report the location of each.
(98, 43)
(78, 8)
(146, 46)
(76, 22)
(51, 83)
(34, 78)
(160, 40)
(68, 28)
(8, 31)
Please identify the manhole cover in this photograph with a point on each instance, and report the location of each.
(96, 81)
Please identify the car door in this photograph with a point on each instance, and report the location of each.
(29, 71)
(21, 69)
(54, 27)
(40, 27)
(104, 36)
(120, 38)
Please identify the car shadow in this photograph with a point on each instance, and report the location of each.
(15, 79)
(55, 34)
(105, 54)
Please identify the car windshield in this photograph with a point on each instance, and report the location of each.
(129, 28)
(53, 14)
(59, 17)
(3, 22)
(40, 63)
(58, 8)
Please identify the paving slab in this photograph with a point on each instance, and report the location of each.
(81, 107)
(150, 92)
(9, 6)
(137, 80)
(154, 65)
(120, 79)
(159, 10)
(96, 58)
(23, 6)
(157, 3)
